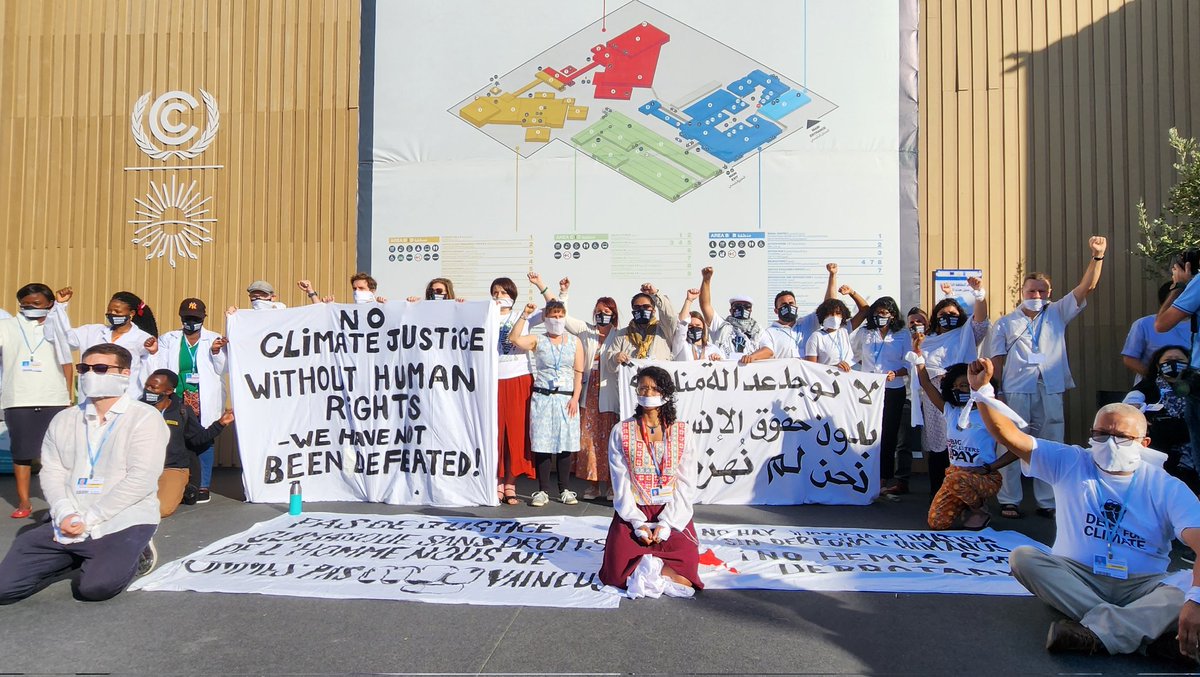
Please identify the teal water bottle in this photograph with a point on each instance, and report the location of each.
(295, 501)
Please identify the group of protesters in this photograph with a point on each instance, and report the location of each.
(982, 401)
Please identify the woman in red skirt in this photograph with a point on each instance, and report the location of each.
(654, 482)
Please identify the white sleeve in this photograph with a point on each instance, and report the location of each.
(812, 347)
(679, 346)
(623, 500)
(53, 476)
(678, 512)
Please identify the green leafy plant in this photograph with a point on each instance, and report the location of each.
(1178, 225)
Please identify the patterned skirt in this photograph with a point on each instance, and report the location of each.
(591, 463)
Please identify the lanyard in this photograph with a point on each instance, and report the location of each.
(95, 452)
(658, 471)
(32, 349)
(562, 348)
(1035, 329)
(1114, 527)
(835, 336)
(192, 350)
(877, 351)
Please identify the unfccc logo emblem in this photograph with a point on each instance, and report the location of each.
(169, 129)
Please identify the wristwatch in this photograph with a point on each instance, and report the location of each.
(312, 294)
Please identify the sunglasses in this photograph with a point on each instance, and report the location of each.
(84, 368)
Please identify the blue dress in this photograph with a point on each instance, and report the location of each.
(550, 429)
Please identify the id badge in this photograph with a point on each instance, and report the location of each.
(661, 495)
(193, 379)
(553, 385)
(1037, 358)
(85, 486)
(1111, 567)
(32, 366)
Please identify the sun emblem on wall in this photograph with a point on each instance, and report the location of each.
(173, 221)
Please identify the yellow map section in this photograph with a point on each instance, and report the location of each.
(539, 114)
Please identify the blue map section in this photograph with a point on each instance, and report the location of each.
(731, 143)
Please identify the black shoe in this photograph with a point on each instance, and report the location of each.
(202, 495)
(147, 559)
(1048, 513)
(190, 493)
(1067, 635)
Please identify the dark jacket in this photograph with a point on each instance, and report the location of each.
(187, 435)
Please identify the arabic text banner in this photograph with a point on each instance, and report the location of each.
(778, 432)
(391, 403)
(554, 561)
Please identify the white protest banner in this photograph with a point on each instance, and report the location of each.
(550, 561)
(555, 561)
(390, 403)
(864, 560)
(777, 432)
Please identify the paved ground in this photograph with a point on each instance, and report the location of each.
(747, 632)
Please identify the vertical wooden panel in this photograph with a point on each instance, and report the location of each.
(1043, 122)
(284, 74)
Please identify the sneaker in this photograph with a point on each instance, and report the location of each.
(202, 496)
(147, 559)
(540, 498)
(190, 494)
(591, 493)
(568, 497)
(896, 488)
(1067, 635)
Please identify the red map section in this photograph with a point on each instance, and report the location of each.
(629, 61)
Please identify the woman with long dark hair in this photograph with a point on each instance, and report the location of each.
(654, 484)
(1158, 396)
(880, 345)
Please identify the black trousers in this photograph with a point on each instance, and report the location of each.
(561, 462)
(106, 565)
(893, 416)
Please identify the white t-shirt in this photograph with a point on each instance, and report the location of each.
(36, 382)
(514, 361)
(830, 347)
(968, 448)
(789, 342)
(719, 329)
(1022, 338)
(692, 352)
(1157, 506)
(881, 354)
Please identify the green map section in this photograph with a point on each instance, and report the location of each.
(651, 159)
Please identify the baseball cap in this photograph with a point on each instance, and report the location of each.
(193, 308)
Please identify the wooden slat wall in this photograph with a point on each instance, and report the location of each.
(285, 76)
(1043, 122)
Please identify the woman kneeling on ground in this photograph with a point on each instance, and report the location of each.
(974, 473)
(651, 544)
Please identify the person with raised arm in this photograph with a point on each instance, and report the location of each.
(789, 334)
(738, 335)
(691, 336)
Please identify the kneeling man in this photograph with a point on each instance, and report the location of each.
(1117, 512)
(100, 466)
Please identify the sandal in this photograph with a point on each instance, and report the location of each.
(21, 513)
(510, 495)
(1010, 511)
(977, 521)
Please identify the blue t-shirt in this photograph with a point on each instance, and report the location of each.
(1189, 302)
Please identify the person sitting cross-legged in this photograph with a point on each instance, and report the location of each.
(1117, 511)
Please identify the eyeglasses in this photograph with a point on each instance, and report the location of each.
(1103, 436)
(84, 367)
(648, 390)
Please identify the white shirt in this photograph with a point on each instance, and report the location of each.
(1158, 507)
(514, 361)
(692, 352)
(211, 367)
(36, 382)
(1020, 338)
(956, 346)
(678, 512)
(789, 342)
(133, 340)
(968, 448)
(719, 330)
(881, 354)
(128, 463)
(830, 347)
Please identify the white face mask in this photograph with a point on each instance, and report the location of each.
(1033, 305)
(650, 401)
(361, 296)
(95, 385)
(262, 304)
(832, 323)
(555, 325)
(504, 302)
(1112, 457)
(35, 313)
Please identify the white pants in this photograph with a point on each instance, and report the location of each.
(1044, 412)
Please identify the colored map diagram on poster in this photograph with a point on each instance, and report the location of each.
(662, 104)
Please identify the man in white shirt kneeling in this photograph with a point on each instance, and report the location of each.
(100, 466)
(1117, 512)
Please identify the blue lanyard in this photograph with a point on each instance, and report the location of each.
(32, 349)
(562, 348)
(95, 452)
(1035, 328)
(841, 347)
(877, 352)
(1114, 527)
(192, 350)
